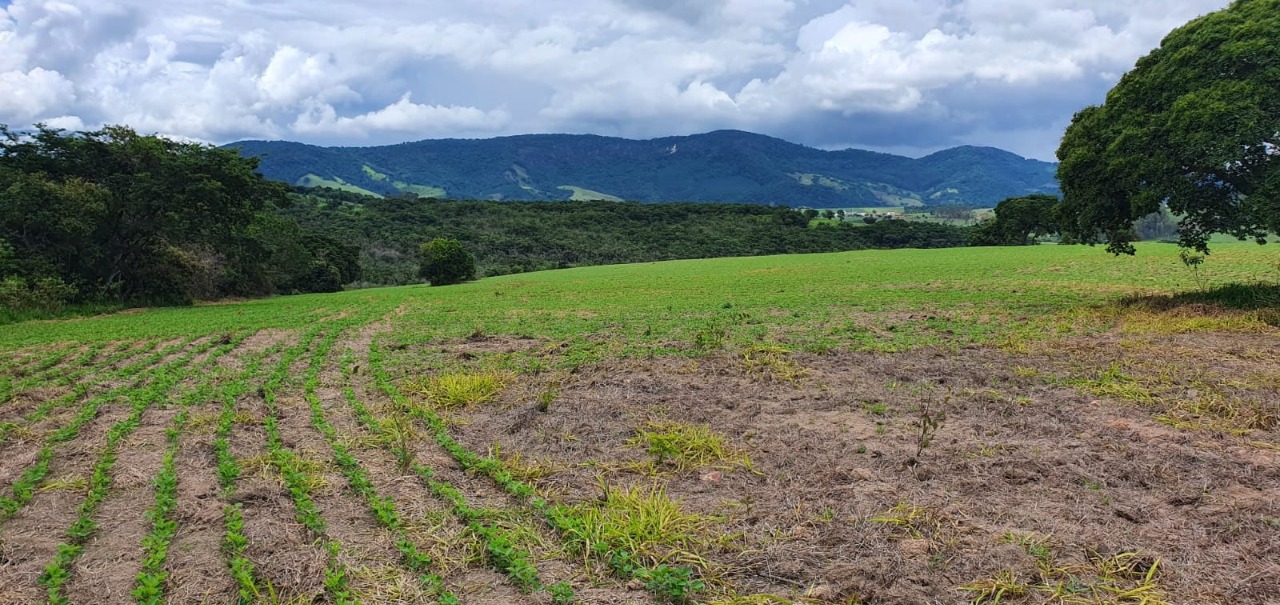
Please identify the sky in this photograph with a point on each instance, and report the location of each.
(902, 76)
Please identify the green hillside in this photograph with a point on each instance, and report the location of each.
(721, 166)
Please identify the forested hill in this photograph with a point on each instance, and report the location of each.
(721, 166)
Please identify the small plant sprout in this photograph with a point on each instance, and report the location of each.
(548, 396)
(928, 424)
(1192, 261)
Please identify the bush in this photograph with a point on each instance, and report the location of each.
(322, 277)
(8, 261)
(44, 295)
(444, 261)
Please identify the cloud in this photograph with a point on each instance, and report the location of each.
(29, 93)
(908, 75)
(403, 116)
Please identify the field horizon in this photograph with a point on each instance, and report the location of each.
(1014, 425)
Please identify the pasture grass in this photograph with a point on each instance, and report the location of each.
(864, 300)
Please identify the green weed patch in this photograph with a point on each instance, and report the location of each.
(454, 391)
(685, 446)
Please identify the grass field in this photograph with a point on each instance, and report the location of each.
(1017, 425)
(312, 180)
(579, 193)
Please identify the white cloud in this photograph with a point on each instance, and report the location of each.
(30, 95)
(65, 123)
(820, 71)
(403, 116)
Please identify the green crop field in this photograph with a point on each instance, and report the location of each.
(1012, 425)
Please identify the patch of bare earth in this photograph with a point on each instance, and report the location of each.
(111, 560)
(29, 540)
(253, 346)
(282, 551)
(1019, 451)
(197, 568)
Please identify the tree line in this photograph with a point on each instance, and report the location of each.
(516, 237)
(114, 218)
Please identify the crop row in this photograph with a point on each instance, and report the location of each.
(59, 570)
(149, 588)
(500, 545)
(249, 588)
(674, 583)
(24, 488)
(83, 389)
(32, 363)
(382, 508)
(297, 478)
(70, 373)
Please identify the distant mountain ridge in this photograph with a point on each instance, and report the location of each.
(720, 166)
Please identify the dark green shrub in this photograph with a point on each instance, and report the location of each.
(444, 261)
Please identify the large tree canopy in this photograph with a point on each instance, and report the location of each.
(1195, 125)
(111, 215)
(1019, 221)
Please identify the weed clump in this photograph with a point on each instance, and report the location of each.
(640, 521)
(771, 362)
(916, 522)
(454, 391)
(1117, 579)
(686, 446)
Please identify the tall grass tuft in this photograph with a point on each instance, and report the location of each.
(454, 391)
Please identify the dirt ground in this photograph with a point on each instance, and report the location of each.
(1069, 472)
(842, 503)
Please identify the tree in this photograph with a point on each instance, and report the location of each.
(444, 261)
(1195, 126)
(1019, 221)
(8, 264)
(140, 219)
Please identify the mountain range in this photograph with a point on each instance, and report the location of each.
(720, 166)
